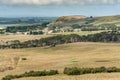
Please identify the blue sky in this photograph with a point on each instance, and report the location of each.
(53, 10)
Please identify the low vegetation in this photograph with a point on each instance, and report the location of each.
(80, 71)
(31, 74)
(68, 71)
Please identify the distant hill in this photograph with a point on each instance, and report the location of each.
(68, 21)
(70, 18)
(83, 20)
(26, 20)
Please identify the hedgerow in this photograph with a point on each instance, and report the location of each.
(31, 74)
(80, 71)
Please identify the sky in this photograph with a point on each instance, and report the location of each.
(56, 8)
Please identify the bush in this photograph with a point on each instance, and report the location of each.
(112, 69)
(24, 58)
(52, 72)
(71, 71)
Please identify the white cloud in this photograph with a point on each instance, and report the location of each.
(57, 2)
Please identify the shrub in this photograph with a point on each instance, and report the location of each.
(112, 69)
(71, 71)
(52, 72)
(8, 77)
(24, 58)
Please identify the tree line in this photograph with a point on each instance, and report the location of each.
(14, 29)
(26, 28)
(110, 36)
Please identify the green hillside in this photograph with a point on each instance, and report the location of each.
(107, 20)
(83, 22)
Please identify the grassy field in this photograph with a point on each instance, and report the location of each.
(21, 37)
(67, 55)
(79, 33)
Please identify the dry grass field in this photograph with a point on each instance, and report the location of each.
(84, 54)
(79, 33)
(21, 37)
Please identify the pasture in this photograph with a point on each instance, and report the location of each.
(82, 54)
(21, 37)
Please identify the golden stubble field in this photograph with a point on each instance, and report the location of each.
(83, 54)
(4, 38)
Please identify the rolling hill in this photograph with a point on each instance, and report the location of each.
(84, 20)
(71, 18)
(107, 20)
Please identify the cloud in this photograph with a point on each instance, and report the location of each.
(57, 2)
